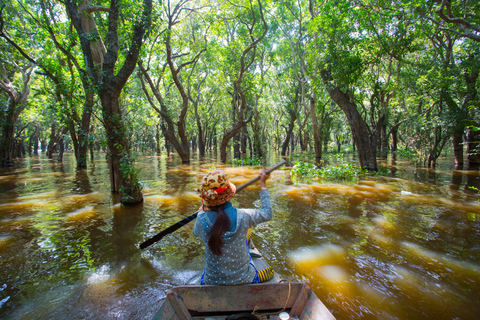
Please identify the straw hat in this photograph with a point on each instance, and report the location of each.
(215, 189)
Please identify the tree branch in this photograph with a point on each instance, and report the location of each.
(91, 9)
(464, 25)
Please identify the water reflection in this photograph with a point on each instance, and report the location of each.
(405, 246)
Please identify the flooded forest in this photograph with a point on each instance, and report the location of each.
(111, 112)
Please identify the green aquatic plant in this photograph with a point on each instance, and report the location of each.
(254, 161)
(476, 189)
(309, 172)
(382, 171)
(303, 154)
(343, 172)
(305, 171)
(408, 153)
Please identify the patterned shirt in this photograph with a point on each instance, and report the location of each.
(233, 266)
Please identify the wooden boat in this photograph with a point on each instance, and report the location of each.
(266, 300)
(238, 302)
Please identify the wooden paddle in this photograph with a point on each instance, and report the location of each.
(186, 220)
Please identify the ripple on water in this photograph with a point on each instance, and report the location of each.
(81, 214)
(430, 295)
(23, 207)
(458, 270)
(93, 196)
(5, 240)
(41, 195)
(179, 201)
(328, 254)
(14, 222)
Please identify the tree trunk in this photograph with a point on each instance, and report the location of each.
(301, 141)
(473, 152)
(457, 141)
(21, 147)
(97, 47)
(84, 133)
(393, 145)
(460, 117)
(73, 135)
(122, 173)
(243, 140)
(363, 139)
(61, 148)
(236, 146)
(201, 142)
(52, 143)
(36, 135)
(292, 142)
(201, 133)
(30, 143)
(431, 161)
(43, 145)
(157, 140)
(436, 149)
(215, 140)
(257, 141)
(8, 141)
(194, 140)
(233, 133)
(288, 136)
(317, 137)
(92, 153)
(383, 141)
(236, 138)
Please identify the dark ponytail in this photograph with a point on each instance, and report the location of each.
(221, 225)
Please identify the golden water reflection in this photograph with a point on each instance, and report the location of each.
(400, 247)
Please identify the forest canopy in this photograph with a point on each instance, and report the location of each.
(251, 76)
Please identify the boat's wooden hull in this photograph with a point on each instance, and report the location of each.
(219, 302)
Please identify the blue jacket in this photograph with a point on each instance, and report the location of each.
(233, 266)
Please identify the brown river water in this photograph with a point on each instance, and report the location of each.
(406, 246)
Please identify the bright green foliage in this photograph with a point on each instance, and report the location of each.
(305, 171)
(409, 153)
(343, 172)
(398, 61)
(246, 161)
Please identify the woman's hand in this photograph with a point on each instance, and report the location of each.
(263, 178)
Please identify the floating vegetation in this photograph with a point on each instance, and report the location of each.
(309, 172)
(254, 161)
(409, 153)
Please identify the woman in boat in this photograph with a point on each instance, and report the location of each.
(224, 230)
